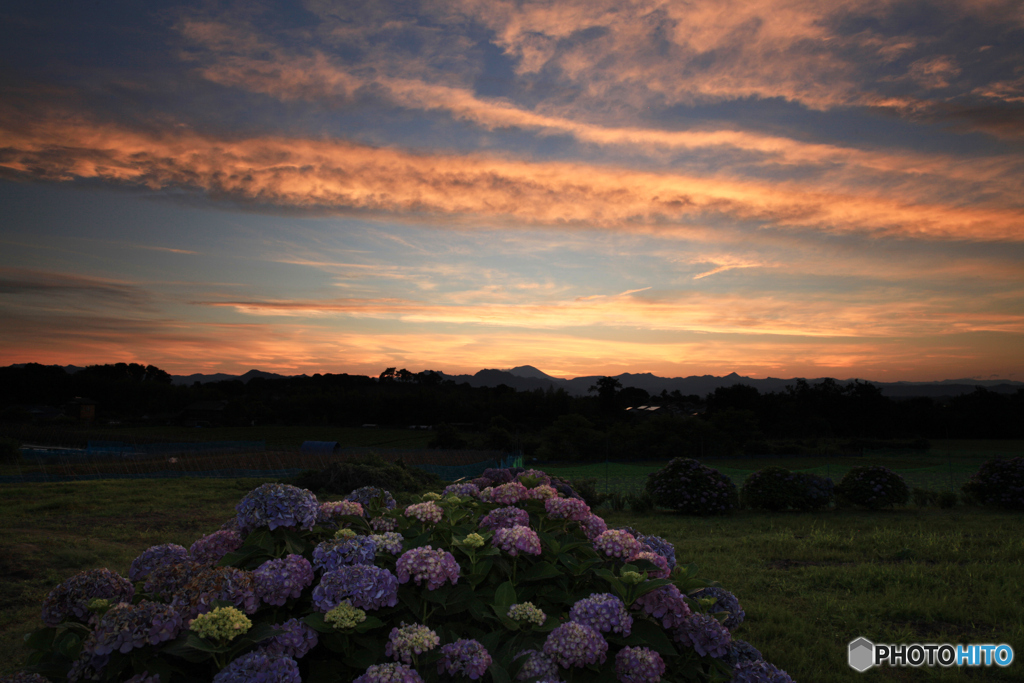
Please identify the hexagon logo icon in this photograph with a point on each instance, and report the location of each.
(862, 654)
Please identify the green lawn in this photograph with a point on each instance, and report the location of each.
(810, 583)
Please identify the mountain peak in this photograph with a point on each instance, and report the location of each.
(528, 371)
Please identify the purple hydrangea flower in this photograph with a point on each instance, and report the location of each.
(759, 672)
(427, 513)
(573, 644)
(330, 555)
(464, 657)
(509, 494)
(23, 677)
(639, 665)
(724, 602)
(496, 476)
(260, 666)
(217, 583)
(339, 508)
(426, 564)
(294, 639)
(388, 542)
(616, 543)
(167, 580)
(542, 492)
(518, 539)
(593, 526)
(539, 476)
(365, 586)
(665, 603)
(537, 664)
(662, 572)
(572, 509)
(392, 672)
(365, 494)
(144, 677)
(156, 556)
(71, 598)
(210, 549)
(659, 545)
(505, 518)
(278, 580)
(410, 640)
(604, 613)
(278, 505)
(125, 627)
(463, 489)
(383, 525)
(704, 634)
(741, 651)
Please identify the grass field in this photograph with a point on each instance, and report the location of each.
(810, 583)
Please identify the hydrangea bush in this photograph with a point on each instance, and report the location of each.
(873, 486)
(499, 580)
(687, 486)
(776, 488)
(999, 483)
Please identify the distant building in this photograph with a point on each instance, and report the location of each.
(81, 409)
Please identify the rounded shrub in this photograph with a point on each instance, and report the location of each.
(776, 488)
(685, 485)
(368, 592)
(873, 486)
(999, 483)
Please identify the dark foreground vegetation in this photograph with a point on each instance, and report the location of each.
(38, 402)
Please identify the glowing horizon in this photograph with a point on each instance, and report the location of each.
(589, 187)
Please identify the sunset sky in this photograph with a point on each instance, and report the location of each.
(781, 188)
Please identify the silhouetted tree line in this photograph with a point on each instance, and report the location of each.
(545, 423)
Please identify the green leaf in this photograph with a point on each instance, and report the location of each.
(368, 625)
(505, 596)
(180, 648)
(651, 635)
(498, 674)
(40, 639)
(316, 622)
(196, 643)
(540, 571)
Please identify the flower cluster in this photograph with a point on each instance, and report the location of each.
(873, 487)
(278, 505)
(687, 486)
(126, 627)
(464, 657)
(260, 665)
(365, 586)
(222, 623)
(659, 545)
(366, 494)
(604, 613)
(330, 555)
(294, 639)
(345, 616)
(593, 526)
(567, 508)
(537, 665)
(382, 525)
(210, 549)
(662, 572)
(71, 598)
(573, 644)
(388, 542)
(542, 492)
(999, 483)
(156, 556)
(759, 672)
(665, 603)
(392, 672)
(639, 665)
(527, 611)
(518, 539)
(217, 583)
(533, 477)
(167, 580)
(505, 518)
(463, 489)
(741, 651)
(340, 508)
(426, 564)
(508, 494)
(724, 602)
(473, 541)
(427, 513)
(616, 543)
(279, 580)
(704, 634)
(408, 641)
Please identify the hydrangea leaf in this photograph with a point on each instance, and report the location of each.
(540, 572)
(649, 634)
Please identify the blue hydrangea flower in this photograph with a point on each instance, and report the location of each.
(604, 613)
(741, 651)
(464, 657)
(278, 505)
(366, 494)
(294, 639)
(463, 489)
(659, 545)
(330, 555)
(156, 556)
(126, 627)
(166, 580)
(759, 672)
(260, 666)
(211, 548)
(365, 586)
(392, 672)
(537, 664)
(573, 644)
(505, 518)
(639, 665)
(389, 542)
(278, 580)
(426, 564)
(23, 677)
(704, 634)
(217, 583)
(665, 603)
(71, 598)
(724, 602)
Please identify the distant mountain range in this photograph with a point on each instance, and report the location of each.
(529, 378)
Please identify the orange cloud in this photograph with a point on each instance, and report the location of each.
(348, 177)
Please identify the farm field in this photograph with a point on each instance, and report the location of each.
(809, 583)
